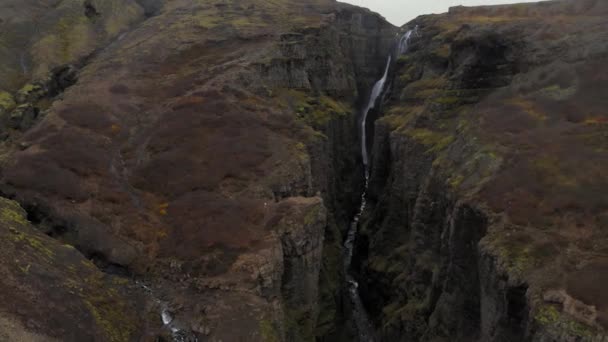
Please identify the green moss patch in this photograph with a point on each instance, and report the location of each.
(549, 317)
(443, 51)
(69, 40)
(557, 93)
(312, 214)
(315, 111)
(424, 89)
(268, 331)
(435, 141)
(11, 213)
(110, 316)
(6, 102)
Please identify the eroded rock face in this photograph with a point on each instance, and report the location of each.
(206, 155)
(487, 214)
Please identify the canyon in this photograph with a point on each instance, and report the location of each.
(283, 170)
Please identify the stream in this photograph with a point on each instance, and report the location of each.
(365, 330)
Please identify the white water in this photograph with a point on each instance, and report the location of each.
(166, 317)
(364, 327)
(376, 92)
(404, 42)
(169, 321)
(362, 323)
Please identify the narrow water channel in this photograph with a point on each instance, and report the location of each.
(363, 325)
(365, 330)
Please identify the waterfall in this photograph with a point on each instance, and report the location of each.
(403, 46)
(364, 327)
(376, 92)
(169, 322)
(404, 42)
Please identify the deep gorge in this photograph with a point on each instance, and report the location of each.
(196, 171)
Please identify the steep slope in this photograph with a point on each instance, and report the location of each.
(43, 44)
(488, 198)
(207, 157)
(37, 36)
(50, 292)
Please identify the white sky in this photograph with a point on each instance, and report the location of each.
(400, 12)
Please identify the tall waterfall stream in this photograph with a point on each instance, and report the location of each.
(363, 325)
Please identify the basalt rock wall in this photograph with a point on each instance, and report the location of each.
(485, 220)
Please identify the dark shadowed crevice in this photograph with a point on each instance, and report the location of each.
(151, 7)
(48, 224)
(32, 104)
(90, 11)
(62, 77)
(517, 310)
(44, 222)
(109, 267)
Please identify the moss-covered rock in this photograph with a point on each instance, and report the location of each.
(23, 116)
(7, 103)
(30, 93)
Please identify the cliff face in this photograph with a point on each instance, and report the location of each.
(200, 156)
(488, 207)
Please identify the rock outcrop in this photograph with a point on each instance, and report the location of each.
(487, 198)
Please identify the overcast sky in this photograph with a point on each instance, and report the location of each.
(400, 12)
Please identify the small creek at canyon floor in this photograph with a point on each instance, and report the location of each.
(365, 330)
(362, 323)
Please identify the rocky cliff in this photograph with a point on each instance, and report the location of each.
(185, 166)
(487, 217)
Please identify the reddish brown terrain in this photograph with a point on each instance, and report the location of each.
(186, 170)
